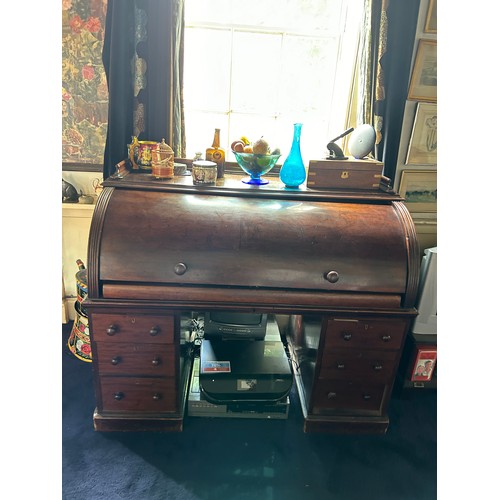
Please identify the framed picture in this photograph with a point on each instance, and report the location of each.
(424, 365)
(84, 88)
(422, 148)
(419, 190)
(431, 19)
(423, 84)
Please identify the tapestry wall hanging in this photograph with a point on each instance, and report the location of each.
(84, 88)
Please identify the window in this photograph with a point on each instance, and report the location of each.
(254, 67)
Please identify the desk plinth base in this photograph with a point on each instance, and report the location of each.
(107, 423)
(346, 425)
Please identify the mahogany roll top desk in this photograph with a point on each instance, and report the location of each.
(339, 268)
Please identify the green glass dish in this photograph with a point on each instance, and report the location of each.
(256, 166)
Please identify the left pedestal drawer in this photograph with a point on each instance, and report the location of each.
(133, 328)
(142, 395)
(121, 358)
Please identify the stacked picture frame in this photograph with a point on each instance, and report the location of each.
(418, 182)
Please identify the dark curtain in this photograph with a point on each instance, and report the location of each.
(386, 48)
(143, 59)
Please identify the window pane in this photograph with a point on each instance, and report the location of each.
(300, 16)
(308, 73)
(201, 126)
(206, 69)
(259, 13)
(256, 67)
(309, 16)
(255, 72)
(212, 11)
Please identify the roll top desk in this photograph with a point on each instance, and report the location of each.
(340, 268)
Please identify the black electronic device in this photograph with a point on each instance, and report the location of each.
(198, 406)
(335, 150)
(246, 370)
(231, 325)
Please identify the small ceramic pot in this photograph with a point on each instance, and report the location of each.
(204, 172)
(140, 153)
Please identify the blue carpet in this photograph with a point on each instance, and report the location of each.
(233, 459)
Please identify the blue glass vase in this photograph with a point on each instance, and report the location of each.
(293, 172)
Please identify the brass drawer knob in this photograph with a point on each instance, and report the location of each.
(180, 268)
(111, 330)
(116, 360)
(155, 362)
(386, 338)
(332, 395)
(340, 366)
(156, 396)
(347, 336)
(118, 395)
(332, 276)
(154, 331)
(377, 367)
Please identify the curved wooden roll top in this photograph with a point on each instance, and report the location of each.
(186, 239)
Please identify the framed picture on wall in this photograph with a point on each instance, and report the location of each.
(84, 86)
(422, 148)
(423, 84)
(419, 189)
(424, 365)
(431, 19)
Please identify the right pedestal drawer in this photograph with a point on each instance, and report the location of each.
(357, 365)
(346, 364)
(366, 333)
(348, 397)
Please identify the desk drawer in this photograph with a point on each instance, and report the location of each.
(386, 334)
(136, 359)
(333, 396)
(133, 328)
(351, 364)
(142, 395)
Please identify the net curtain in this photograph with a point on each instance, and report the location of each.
(143, 60)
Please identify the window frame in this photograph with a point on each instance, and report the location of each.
(342, 81)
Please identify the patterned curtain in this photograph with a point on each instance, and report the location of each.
(385, 53)
(372, 47)
(143, 59)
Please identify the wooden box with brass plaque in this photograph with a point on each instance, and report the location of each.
(345, 174)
